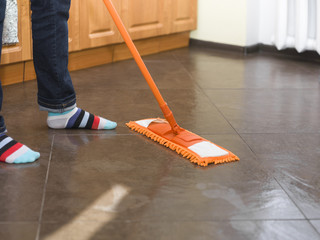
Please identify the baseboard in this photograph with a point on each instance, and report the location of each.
(214, 45)
(228, 47)
(259, 48)
(291, 53)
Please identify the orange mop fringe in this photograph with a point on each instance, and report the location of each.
(183, 151)
(167, 132)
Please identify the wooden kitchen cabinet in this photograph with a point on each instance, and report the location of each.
(96, 25)
(155, 25)
(184, 15)
(145, 19)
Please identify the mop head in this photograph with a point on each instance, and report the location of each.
(197, 149)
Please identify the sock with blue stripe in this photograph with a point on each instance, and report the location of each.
(78, 118)
(12, 151)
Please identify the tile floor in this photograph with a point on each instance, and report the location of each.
(120, 185)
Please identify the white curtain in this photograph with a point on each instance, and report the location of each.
(297, 25)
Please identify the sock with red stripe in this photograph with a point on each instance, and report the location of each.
(12, 151)
(78, 118)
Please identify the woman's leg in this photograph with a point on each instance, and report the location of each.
(50, 54)
(2, 13)
(11, 151)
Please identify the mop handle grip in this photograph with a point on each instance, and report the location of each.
(126, 37)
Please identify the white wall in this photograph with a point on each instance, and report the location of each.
(222, 21)
(249, 22)
(235, 22)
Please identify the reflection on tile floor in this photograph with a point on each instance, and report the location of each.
(119, 185)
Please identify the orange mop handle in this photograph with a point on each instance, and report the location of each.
(125, 35)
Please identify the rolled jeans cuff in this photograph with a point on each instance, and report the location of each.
(3, 129)
(57, 106)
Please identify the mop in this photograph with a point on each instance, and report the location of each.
(166, 131)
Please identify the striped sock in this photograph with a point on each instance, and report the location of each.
(15, 152)
(78, 118)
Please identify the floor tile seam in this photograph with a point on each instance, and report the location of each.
(18, 222)
(292, 200)
(137, 134)
(96, 134)
(281, 133)
(217, 134)
(260, 89)
(134, 89)
(173, 221)
(314, 227)
(44, 190)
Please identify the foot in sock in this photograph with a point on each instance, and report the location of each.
(15, 152)
(78, 118)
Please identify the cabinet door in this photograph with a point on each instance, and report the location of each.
(22, 50)
(73, 25)
(96, 25)
(184, 16)
(145, 19)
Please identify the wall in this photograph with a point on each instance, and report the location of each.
(222, 21)
(250, 22)
(234, 22)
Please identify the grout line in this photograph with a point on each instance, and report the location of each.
(18, 222)
(283, 189)
(96, 134)
(137, 134)
(221, 220)
(306, 218)
(281, 133)
(44, 190)
(260, 89)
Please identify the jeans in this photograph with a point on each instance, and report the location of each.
(50, 55)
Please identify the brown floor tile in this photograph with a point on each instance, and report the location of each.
(165, 71)
(221, 69)
(269, 111)
(22, 185)
(192, 110)
(127, 177)
(294, 161)
(263, 71)
(242, 230)
(18, 231)
(316, 224)
(120, 184)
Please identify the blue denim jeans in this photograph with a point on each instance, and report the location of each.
(50, 55)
